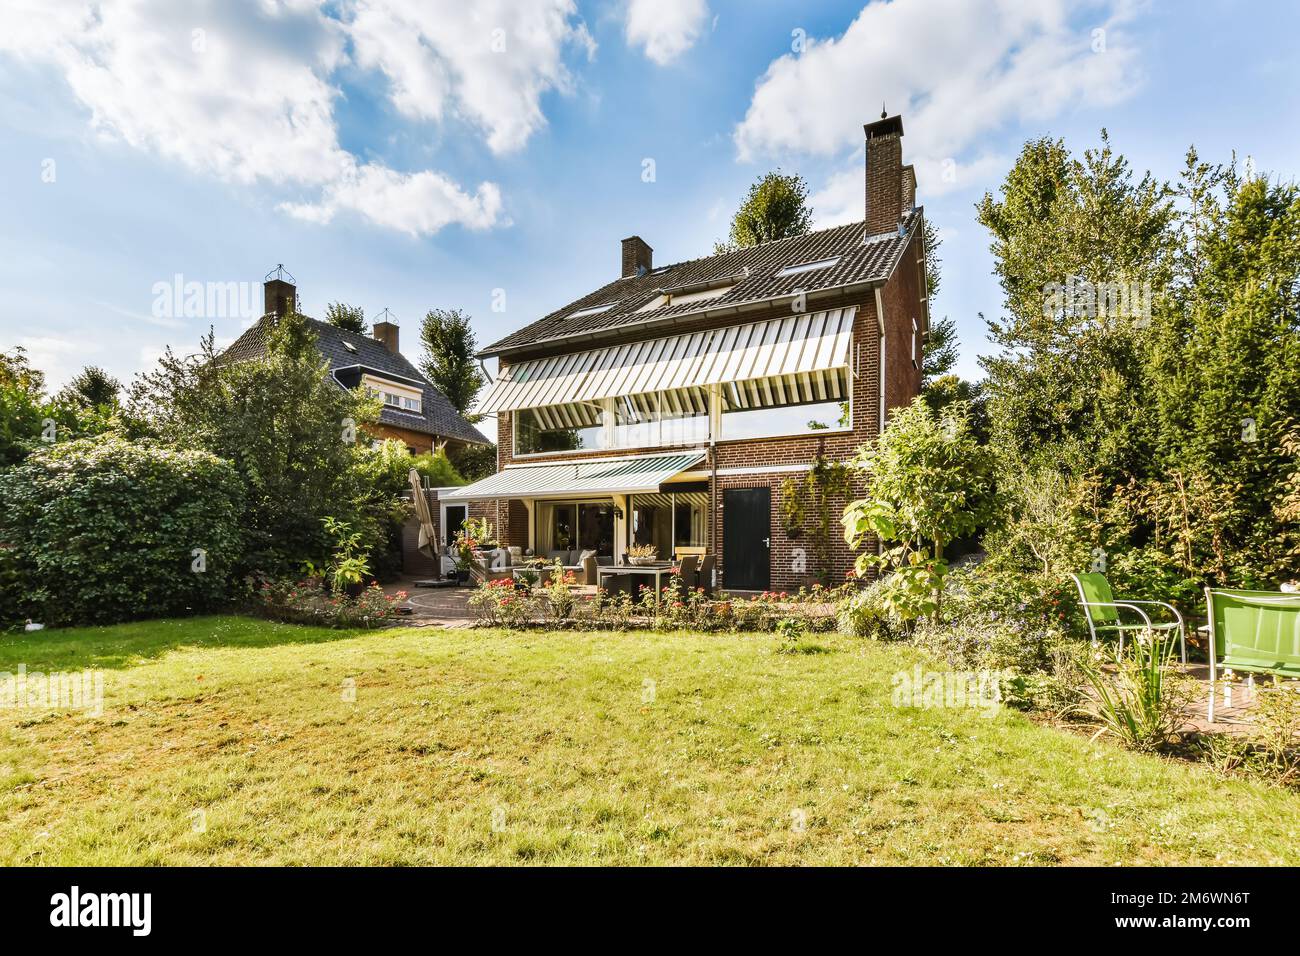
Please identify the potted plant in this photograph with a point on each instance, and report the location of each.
(642, 554)
(464, 548)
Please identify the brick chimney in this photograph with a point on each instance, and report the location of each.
(891, 186)
(386, 332)
(280, 295)
(638, 258)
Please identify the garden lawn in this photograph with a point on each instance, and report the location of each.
(226, 740)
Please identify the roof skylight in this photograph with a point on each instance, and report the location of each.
(350, 347)
(590, 310)
(808, 267)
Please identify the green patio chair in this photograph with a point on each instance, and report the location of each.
(1101, 608)
(1257, 632)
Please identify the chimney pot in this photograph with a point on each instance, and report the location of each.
(386, 332)
(638, 258)
(280, 297)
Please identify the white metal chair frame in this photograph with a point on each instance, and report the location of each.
(1132, 605)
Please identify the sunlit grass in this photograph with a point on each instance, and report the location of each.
(228, 740)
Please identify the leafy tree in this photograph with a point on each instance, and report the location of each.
(928, 481)
(449, 362)
(346, 317)
(476, 461)
(1224, 384)
(940, 350)
(776, 207)
(290, 431)
(1065, 376)
(92, 388)
(948, 390)
(930, 236)
(28, 419)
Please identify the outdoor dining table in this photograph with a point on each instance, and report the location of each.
(657, 571)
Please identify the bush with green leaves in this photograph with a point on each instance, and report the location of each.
(103, 530)
(928, 482)
(293, 435)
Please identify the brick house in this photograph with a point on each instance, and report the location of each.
(671, 406)
(414, 412)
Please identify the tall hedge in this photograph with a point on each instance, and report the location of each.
(98, 531)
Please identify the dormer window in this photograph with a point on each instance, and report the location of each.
(398, 396)
(808, 267)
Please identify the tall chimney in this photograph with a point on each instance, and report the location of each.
(891, 186)
(386, 332)
(638, 258)
(280, 295)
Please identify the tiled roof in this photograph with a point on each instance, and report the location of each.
(438, 417)
(861, 259)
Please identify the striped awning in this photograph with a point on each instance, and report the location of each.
(808, 351)
(599, 476)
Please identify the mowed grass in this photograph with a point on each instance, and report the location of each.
(229, 741)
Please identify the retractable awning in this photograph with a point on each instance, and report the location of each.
(800, 348)
(599, 476)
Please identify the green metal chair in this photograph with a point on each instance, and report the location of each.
(1257, 632)
(1101, 608)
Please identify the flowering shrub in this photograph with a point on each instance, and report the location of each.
(499, 603)
(309, 602)
(560, 600)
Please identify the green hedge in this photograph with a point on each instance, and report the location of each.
(101, 530)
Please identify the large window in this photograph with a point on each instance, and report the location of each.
(670, 521)
(576, 525)
(558, 428)
(661, 418)
(783, 405)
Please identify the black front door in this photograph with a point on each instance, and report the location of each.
(747, 538)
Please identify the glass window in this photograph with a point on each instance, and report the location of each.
(596, 528)
(663, 418)
(670, 521)
(689, 519)
(562, 528)
(557, 428)
(784, 405)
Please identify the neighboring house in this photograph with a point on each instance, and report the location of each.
(414, 411)
(670, 405)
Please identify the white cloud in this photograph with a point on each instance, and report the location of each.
(245, 92)
(415, 203)
(958, 71)
(489, 62)
(665, 29)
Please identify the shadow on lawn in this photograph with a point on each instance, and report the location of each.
(119, 646)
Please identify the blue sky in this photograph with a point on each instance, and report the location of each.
(404, 155)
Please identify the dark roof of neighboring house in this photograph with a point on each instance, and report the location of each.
(438, 417)
(861, 259)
